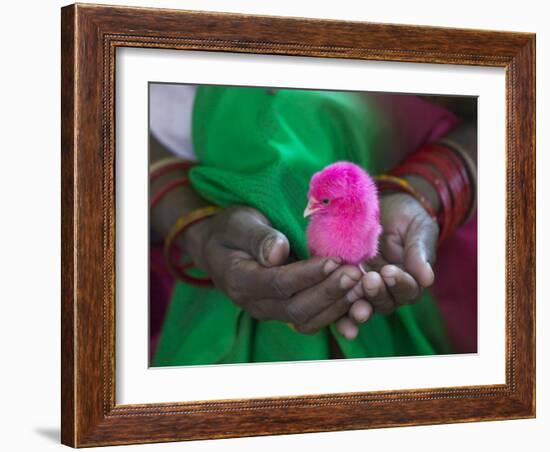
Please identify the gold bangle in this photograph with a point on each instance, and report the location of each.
(401, 184)
(155, 166)
(179, 227)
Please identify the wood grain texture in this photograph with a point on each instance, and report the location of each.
(90, 36)
(68, 310)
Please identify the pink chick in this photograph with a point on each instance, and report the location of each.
(345, 214)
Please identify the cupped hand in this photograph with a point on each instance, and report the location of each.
(246, 259)
(403, 267)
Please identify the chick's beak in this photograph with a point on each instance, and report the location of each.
(312, 207)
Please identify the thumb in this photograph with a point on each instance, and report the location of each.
(250, 231)
(420, 249)
(273, 248)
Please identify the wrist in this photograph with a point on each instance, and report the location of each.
(193, 241)
(438, 179)
(427, 190)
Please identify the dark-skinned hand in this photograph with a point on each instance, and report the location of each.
(246, 259)
(403, 267)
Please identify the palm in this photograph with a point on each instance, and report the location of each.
(402, 267)
(408, 235)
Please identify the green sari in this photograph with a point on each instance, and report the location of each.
(260, 149)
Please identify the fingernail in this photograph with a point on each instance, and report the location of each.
(268, 245)
(431, 277)
(362, 318)
(371, 284)
(350, 335)
(388, 271)
(372, 292)
(352, 296)
(330, 266)
(364, 315)
(346, 282)
(390, 281)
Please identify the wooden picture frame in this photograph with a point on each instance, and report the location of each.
(90, 36)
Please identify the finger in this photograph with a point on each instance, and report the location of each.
(337, 309)
(271, 309)
(250, 231)
(360, 311)
(254, 282)
(402, 286)
(374, 264)
(305, 305)
(330, 315)
(347, 328)
(377, 294)
(420, 248)
(355, 293)
(391, 247)
(267, 309)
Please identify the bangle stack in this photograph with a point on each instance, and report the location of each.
(172, 251)
(447, 173)
(389, 182)
(163, 167)
(470, 166)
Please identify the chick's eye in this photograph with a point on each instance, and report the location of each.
(325, 201)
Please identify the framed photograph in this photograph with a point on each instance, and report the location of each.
(281, 225)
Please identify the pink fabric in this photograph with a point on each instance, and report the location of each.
(455, 287)
(161, 284)
(412, 122)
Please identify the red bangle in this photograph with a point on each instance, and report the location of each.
(462, 168)
(162, 192)
(167, 168)
(179, 270)
(460, 192)
(442, 169)
(433, 178)
(453, 185)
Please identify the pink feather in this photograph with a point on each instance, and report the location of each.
(345, 214)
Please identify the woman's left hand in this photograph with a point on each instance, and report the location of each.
(403, 267)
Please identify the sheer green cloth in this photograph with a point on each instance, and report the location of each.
(260, 148)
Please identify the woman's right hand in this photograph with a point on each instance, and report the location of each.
(245, 257)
